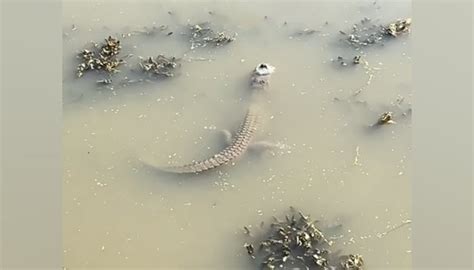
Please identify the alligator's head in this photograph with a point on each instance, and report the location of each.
(261, 75)
(264, 69)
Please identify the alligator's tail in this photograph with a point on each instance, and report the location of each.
(231, 152)
(198, 166)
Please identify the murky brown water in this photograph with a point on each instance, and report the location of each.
(118, 213)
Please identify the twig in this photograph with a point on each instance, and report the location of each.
(405, 222)
(356, 158)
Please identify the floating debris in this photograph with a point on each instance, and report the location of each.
(247, 230)
(151, 31)
(202, 35)
(365, 33)
(305, 32)
(357, 156)
(356, 60)
(394, 228)
(260, 77)
(250, 249)
(407, 113)
(195, 59)
(354, 98)
(296, 243)
(344, 62)
(398, 27)
(385, 118)
(160, 66)
(352, 262)
(341, 61)
(102, 58)
(104, 81)
(128, 82)
(370, 71)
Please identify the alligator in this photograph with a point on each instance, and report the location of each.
(242, 140)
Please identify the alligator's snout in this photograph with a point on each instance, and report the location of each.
(261, 75)
(264, 69)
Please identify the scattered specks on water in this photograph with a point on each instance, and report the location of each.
(177, 118)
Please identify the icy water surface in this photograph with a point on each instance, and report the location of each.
(331, 165)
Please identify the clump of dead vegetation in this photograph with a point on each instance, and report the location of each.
(297, 243)
(102, 57)
(160, 66)
(203, 35)
(385, 118)
(367, 33)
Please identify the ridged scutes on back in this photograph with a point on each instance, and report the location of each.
(238, 146)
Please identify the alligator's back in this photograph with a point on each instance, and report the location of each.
(259, 79)
(239, 145)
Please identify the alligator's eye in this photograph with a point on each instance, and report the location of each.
(263, 66)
